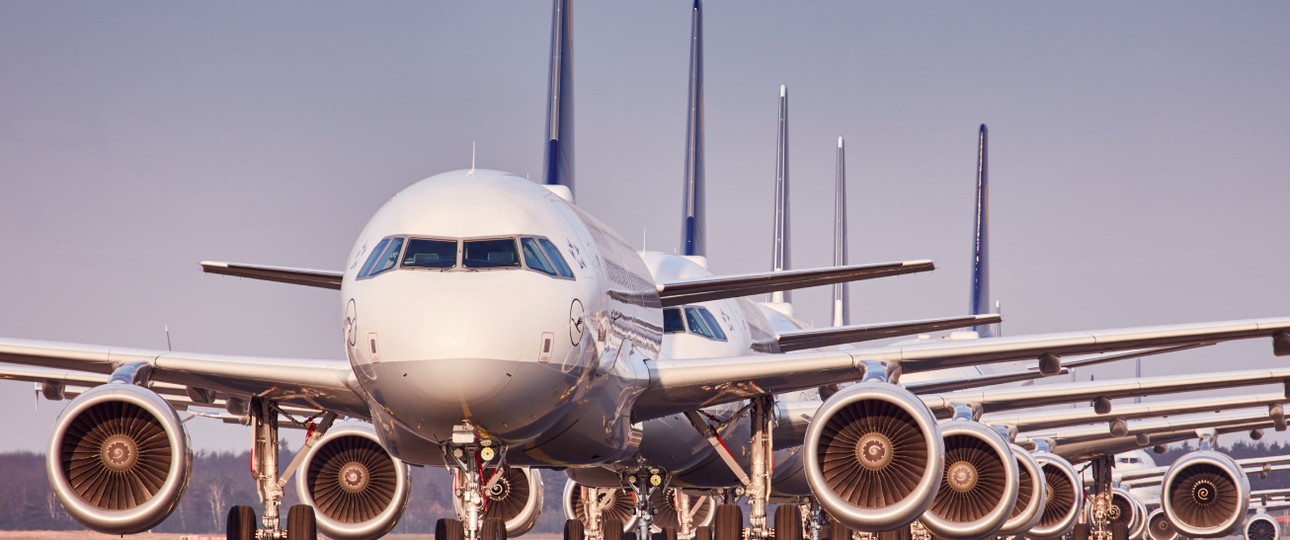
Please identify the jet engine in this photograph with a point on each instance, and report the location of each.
(1159, 527)
(667, 503)
(516, 498)
(979, 489)
(119, 459)
(1064, 489)
(874, 456)
(1261, 526)
(1205, 494)
(1032, 495)
(617, 503)
(357, 489)
(1132, 512)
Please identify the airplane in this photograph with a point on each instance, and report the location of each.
(464, 398)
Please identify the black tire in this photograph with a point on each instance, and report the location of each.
(574, 530)
(241, 523)
(703, 533)
(1081, 531)
(669, 533)
(838, 531)
(1119, 530)
(493, 529)
(448, 529)
(629, 535)
(728, 524)
(302, 523)
(788, 522)
(611, 528)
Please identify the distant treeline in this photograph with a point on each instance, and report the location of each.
(223, 479)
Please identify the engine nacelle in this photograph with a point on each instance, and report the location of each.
(1032, 495)
(358, 490)
(616, 503)
(516, 498)
(1261, 526)
(119, 459)
(874, 457)
(979, 489)
(1159, 527)
(1064, 489)
(1132, 512)
(1205, 494)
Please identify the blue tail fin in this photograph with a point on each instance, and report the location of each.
(841, 296)
(980, 236)
(780, 252)
(558, 160)
(693, 229)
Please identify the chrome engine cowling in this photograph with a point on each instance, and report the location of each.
(1132, 512)
(1159, 527)
(874, 457)
(1205, 494)
(618, 503)
(119, 459)
(516, 498)
(979, 488)
(1032, 495)
(1261, 526)
(1064, 490)
(358, 490)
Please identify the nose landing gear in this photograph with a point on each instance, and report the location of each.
(480, 472)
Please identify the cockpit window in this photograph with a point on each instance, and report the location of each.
(561, 267)
(535, 258)
(425, 253)
(672, 323)
(717, 332)
(696, 323)
(500, 253)
(384, 257)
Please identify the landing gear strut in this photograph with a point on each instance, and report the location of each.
(301, 522)
(1103, 511)
(473, 457)
(644, 482)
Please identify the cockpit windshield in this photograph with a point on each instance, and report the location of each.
(490, 253)
(695, 320)
(530, 252)
(425, 253)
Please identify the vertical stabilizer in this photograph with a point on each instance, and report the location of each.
(980, 234)
(558, 160)
(780, 255)
(693, 228)
(841, 296)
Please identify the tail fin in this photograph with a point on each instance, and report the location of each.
(980, 245)
(558, 160)
(780, 253)
(841, 296)
(693, 229)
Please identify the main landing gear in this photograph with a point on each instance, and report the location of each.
(301, 522)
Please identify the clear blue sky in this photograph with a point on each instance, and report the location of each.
(1140, 160)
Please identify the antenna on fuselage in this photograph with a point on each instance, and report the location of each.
(693, 229)
(980, 300)
(472, 157)
(841, 294)
(558, 159)
(779, 249)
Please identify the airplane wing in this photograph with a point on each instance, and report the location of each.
(312, 384)
(1081, 444)
(1058, 418)
(814, 338)
(325, 279)
(678, 385)
(715, 288)
(949, 385)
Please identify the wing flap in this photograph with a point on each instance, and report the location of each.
(325, 279)
(826, 337)
(702, 290)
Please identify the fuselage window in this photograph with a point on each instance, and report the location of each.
(499, 253)
(717, 332)
(424, 253)
(672, 323)
(371, 259)
(384, 257)
(534, 258)
(561, 267)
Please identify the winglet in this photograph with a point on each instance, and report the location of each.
(841, 294)
(780, 253)
(980, 235)
(558, 160)
(693, 229)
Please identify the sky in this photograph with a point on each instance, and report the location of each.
(1140, 156)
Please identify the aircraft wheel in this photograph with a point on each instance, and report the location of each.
(241, 523)
(1120, 530)
(448, 529)
(703, 533)
(302, 523)
(574, 530)
(728, 524)
(669, 533)
(611, 529)
(493, 529)
(788, 522)
(838, 531)
(1081, 531)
